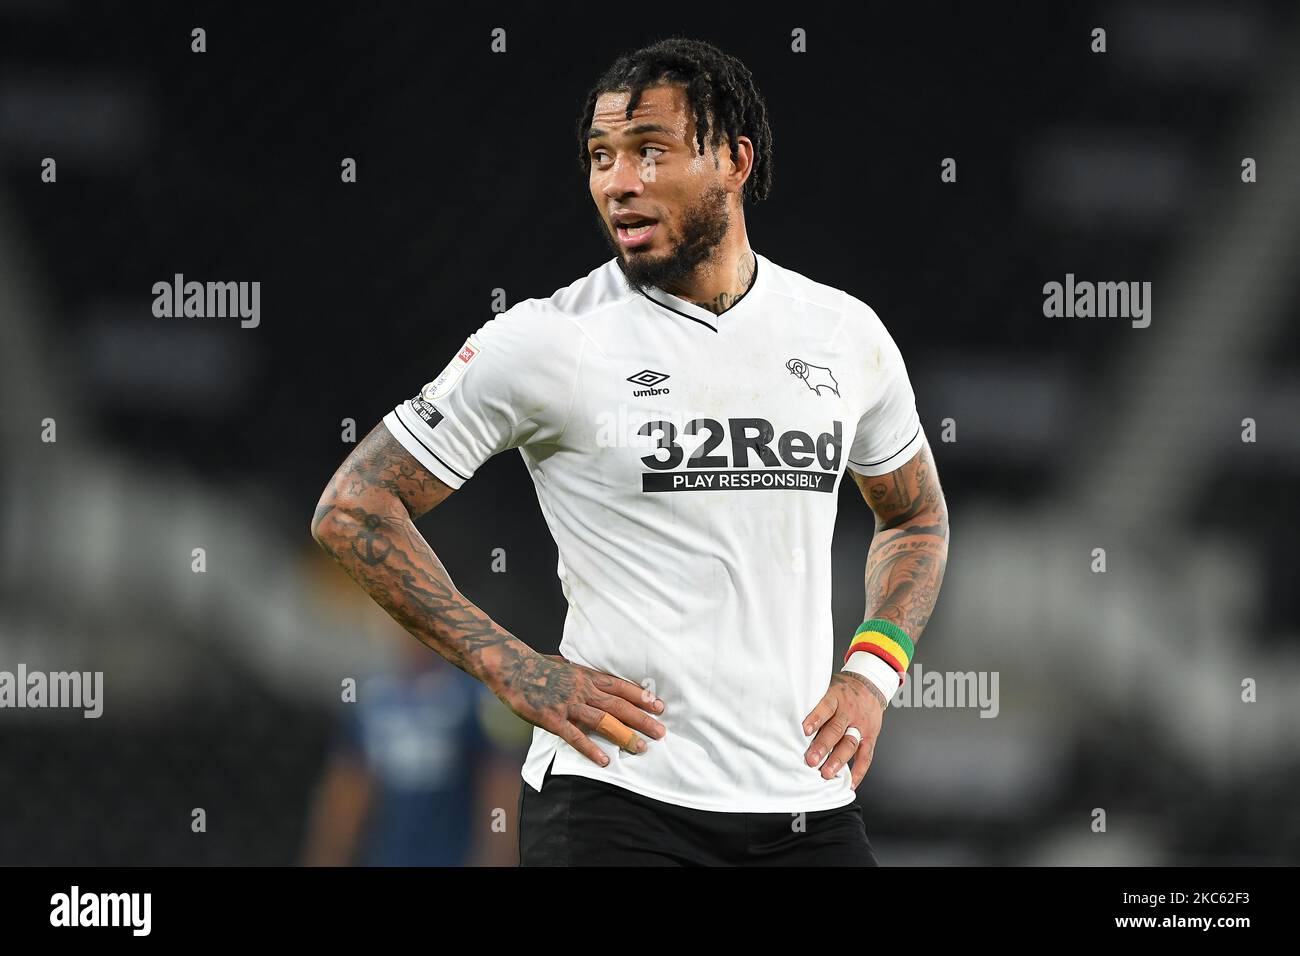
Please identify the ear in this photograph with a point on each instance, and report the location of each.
(742, 161)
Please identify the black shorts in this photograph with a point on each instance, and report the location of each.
(576, 821)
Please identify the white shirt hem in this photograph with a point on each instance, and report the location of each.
(595, 773)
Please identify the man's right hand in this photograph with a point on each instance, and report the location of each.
(365, 521)
(570, 700)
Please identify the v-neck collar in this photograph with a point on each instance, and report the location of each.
(698, 313)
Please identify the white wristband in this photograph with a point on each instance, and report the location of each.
(875, 670)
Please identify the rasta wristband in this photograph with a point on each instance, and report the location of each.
(886, 640)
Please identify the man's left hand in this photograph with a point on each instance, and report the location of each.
(850, 701)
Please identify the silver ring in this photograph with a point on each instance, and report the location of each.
(855, 734)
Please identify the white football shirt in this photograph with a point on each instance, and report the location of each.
(688, 466)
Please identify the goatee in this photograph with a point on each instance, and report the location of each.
(704, 226)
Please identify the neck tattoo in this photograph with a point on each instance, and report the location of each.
(745, 271)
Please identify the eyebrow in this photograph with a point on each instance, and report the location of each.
(596, 133)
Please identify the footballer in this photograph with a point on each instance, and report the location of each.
(686, 411)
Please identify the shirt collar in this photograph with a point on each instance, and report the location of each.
(698, 313)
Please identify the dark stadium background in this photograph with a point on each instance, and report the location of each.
(1118, 690)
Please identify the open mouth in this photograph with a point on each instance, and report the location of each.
(636, 232)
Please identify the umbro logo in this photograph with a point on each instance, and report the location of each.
(816, 377)
(648, 379)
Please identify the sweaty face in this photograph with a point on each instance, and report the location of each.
(660, 205)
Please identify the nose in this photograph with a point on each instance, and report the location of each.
(623, 178)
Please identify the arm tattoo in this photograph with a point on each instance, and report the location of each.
(365, 522)
(909, 552)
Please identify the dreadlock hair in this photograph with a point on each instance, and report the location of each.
(718, 88)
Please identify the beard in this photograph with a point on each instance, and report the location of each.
(703, 228)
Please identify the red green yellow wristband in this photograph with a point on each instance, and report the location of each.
(886, 640)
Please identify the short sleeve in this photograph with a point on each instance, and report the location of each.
(511, 384)
(889, 432)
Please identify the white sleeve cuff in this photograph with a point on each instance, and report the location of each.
(883, 466)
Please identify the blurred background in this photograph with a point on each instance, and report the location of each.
(223, 689)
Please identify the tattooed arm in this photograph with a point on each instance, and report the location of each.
(905, 566)
(909, 553)
(365, 521)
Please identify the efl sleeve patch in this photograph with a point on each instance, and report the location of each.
(450, 375)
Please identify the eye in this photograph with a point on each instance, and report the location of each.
(600, 157)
